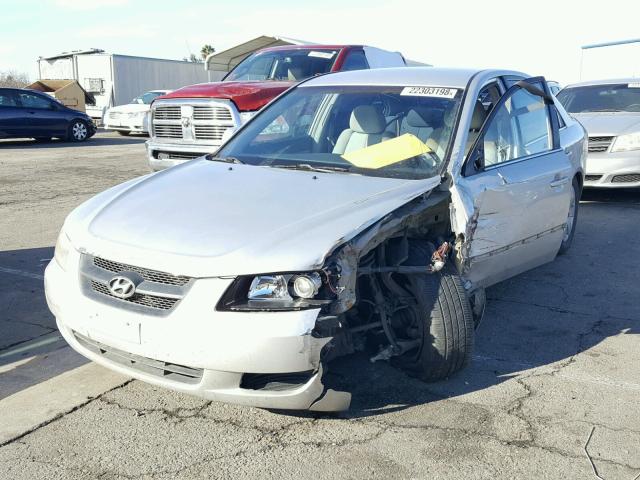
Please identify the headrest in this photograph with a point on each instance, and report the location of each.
(478, 117)
(419, 117)
(295, 73)
(367, 119)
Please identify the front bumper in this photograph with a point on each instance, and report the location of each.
(162, 155)
(222, 348)
(121, 126)
(613, 170)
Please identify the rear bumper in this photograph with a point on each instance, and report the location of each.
(613, 170)
(198, 350)
(166, 155)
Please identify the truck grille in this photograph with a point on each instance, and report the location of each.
(626, 178)
(212, 113)
(599, 144)
(148, 275)
(195, 122)
(151, 301)
(167, 131)
(210, 132)
(170, 371)
(168, 113)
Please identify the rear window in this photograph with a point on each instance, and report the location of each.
(622, 97)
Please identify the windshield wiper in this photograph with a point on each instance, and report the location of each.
(225, 159)
(310, 168)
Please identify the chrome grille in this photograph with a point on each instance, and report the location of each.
(171, 371)
(168, 113)
(168, 131)
(626, 178)
(599, 144)
(148, 275)
(115, 115)
(210, 132)
(212, 113)
(151, 301)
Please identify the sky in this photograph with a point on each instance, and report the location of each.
(540, 38)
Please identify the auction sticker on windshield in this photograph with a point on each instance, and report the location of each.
(321, 54)
(438, 92)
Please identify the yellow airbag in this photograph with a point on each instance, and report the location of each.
(388, 152)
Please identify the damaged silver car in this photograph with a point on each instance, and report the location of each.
(367, 208)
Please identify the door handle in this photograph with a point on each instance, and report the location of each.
(558, 182)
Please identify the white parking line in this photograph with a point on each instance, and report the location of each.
(21, 273)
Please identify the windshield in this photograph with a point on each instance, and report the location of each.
(401, 132)
(623, 97)
(293, 65)
(147, 98)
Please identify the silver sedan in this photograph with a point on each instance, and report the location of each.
(610, 112)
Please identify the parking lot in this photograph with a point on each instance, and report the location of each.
(555, 365)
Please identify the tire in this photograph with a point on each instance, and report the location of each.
(447, 326)
(78, 131)
(572, 218)
(124, 133)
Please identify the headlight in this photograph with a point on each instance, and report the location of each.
(278, 291)
(62, 250)
(246, 116)
(624, 143)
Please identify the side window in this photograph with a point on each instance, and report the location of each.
(7, 99)
(489, 96)
(29, 100)
(520, 127)
(356, 60)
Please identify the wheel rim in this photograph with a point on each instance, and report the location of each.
(568, 226)
(79, 131)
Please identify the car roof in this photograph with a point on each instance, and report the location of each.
(611, 81)
(410, 76)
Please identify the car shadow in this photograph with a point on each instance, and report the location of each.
(31, 348)
(95, 141)
(541, 318)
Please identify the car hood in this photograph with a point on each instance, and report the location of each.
(206, 218)
(130, 108)
(246, 95)
(605, 123)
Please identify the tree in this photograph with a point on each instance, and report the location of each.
(191, 58)
(11, 78)
(206, 50)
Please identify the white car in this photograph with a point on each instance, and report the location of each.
(132, 117)
(376, 203)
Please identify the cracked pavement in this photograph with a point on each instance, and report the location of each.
(556, 355)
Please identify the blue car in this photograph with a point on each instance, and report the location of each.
(31, 114)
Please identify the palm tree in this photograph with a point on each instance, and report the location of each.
(206, 50)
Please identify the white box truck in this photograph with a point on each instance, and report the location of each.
(115, 79)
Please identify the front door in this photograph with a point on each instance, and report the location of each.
(518, 180)
(43, 117)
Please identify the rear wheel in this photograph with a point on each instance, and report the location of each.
(572, 218)
(445, 324)
(78, 131)
(124, 133)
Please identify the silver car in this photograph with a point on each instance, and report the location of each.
(610, 112)
(361, 208)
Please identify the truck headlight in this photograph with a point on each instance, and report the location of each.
(62, 250)
(624, 143)
(278, 291)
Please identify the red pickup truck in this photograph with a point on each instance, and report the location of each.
(195, 120)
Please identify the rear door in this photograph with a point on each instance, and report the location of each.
(11, 116)
(518, 180)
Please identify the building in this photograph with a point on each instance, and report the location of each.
(114, 79)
